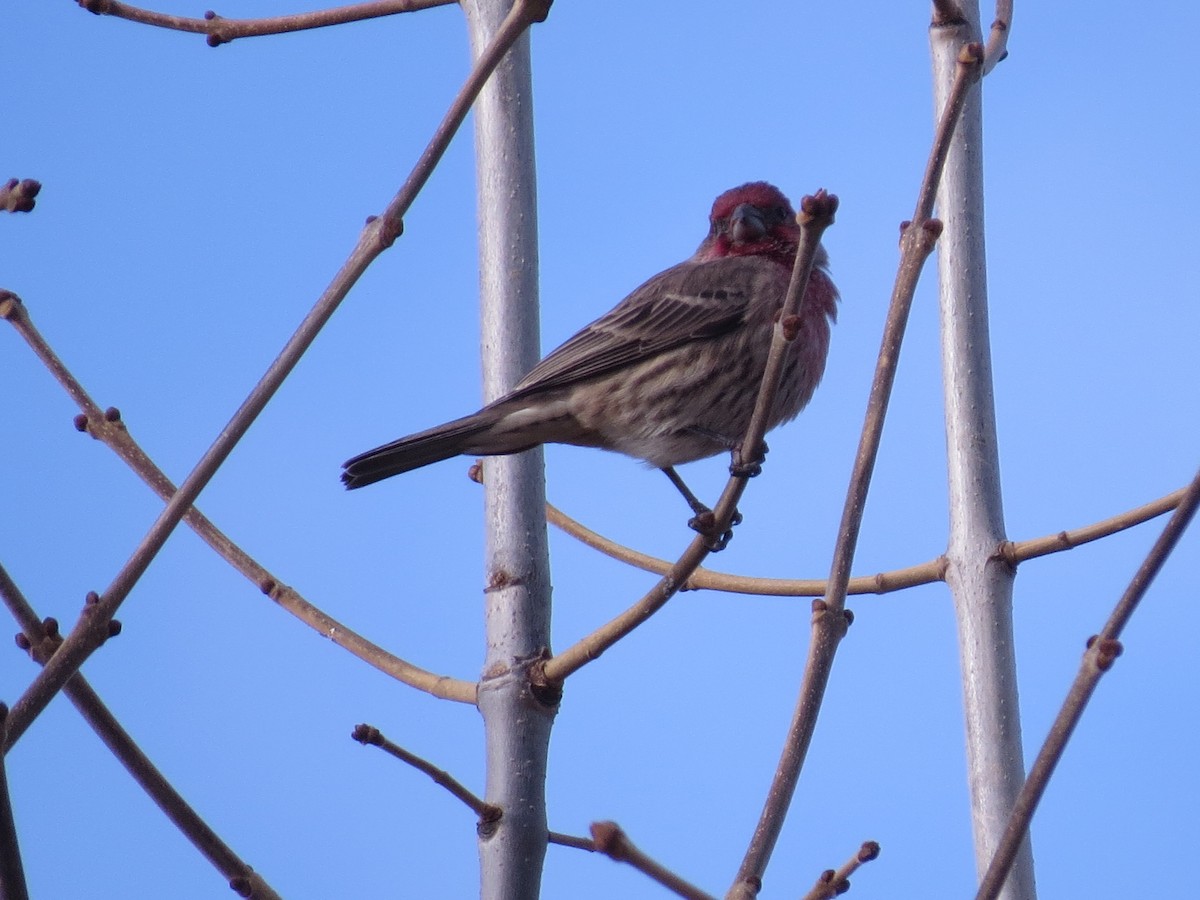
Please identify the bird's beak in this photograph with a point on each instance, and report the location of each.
(746, 225)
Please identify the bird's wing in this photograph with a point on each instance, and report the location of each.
(683, 304)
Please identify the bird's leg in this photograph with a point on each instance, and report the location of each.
(703, 522)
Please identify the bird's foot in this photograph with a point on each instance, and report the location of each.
(748, 467)
(704, 523)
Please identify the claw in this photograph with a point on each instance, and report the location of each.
(747, 467)
(704, 524)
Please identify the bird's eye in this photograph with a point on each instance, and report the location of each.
(780, 213)
(719, 226)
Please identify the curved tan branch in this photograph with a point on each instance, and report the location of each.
(710, 579)
(1019, 551)
(106, 426)
(928, 572)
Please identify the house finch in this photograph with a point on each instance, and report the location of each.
(671, 373)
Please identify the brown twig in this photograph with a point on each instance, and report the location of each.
(369, 735)
(1102, 650)
(12, 871)
(572, 840)
(19, 195)
(221, 30)
(1013, 552)
(107, 427)
(40, 639)
(829, 620)
(831, 883)
(815, 216)
(610, 840)
(92, 628)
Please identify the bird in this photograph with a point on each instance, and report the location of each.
(671, 373)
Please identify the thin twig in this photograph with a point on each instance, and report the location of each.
(12, 870)
(1013, 552)
(1102, 650)
(997, 42)
(816, 215)
(107, 427)
(610, 840)
(221, 30)
(829, 620)
(1018, 551)
(572, 840)
(41, 639)
(832, 883)
(92, 627)
(370, 735)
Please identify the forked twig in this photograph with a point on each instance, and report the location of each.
(829, 619)
(831, 883)
(1102, 650)
(816, 214)
(91, 629)
(107, 427)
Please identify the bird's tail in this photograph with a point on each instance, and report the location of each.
(416, 450)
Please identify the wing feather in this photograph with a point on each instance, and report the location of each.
(686, 303)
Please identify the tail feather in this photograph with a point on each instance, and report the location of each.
(415, 451)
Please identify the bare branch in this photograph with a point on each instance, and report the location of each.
(91, 630)
(221, 30)
(1102, 651)
(997, 42)
(710, 579)
(370, 735)
(12, 871)
(1019, 551)
(610, 840)
(1013, 552)
(107, 427)
(40, 638)
(832, 883)
(816, 215)
(19, 196)
(571, 840)
(829, 622)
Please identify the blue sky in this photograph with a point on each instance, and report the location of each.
(197, 201)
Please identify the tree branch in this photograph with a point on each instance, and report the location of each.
(369, 735)
(829, 621)
(610, 840)
(833, 883)
(40, 639)
(221, 30)
(1102, 651)
(379, 234)
(108, 428)
(12, 871)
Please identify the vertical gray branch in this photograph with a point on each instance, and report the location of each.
(980, 581)
(517, 606)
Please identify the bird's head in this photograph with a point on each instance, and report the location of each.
(754, 219)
